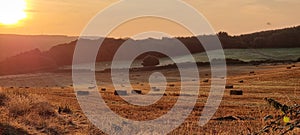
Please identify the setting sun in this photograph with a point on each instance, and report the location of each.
(12, 11)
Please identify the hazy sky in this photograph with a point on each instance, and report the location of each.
(69, 17)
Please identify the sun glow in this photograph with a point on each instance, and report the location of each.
(12, 11)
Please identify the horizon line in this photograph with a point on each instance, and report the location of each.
(178, 36)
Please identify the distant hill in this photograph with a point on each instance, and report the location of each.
(281, 38)
(11, 45)
(62, 54)
(31, 61)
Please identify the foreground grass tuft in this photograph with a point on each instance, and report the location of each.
(287, 120)
(31, 110)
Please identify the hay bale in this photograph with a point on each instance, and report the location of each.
(229, 86)
(81, 93)
(206, 80)
(120, 92)
(136, 92)
(92, 87)
(236, 92)
(155, 89)
(172, 85)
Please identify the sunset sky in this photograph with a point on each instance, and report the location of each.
(69, 17)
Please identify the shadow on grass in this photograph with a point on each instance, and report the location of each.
(10, 130)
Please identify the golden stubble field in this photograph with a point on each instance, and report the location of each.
(45, 103)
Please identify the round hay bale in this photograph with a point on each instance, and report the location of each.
(172, 85)
(156, 89)
(136, 92)
(92, 87)
(120, 92)
(229, 86)
(236, 92)
(81, 93)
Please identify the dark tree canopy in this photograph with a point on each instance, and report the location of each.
(150, 60)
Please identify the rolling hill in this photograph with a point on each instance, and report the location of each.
(47, 57)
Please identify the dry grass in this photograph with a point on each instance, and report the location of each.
(35, 109)
(37, 113)
(3, 99)
(33, 113)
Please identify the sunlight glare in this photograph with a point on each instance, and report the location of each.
(12, 11)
